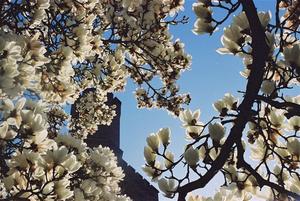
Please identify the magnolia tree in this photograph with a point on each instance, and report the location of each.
(253, 143)
(56, 52)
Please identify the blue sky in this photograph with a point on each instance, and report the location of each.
(211, 76)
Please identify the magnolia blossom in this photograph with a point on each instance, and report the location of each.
(295, 184)
(153, 172)
(231, 40)
(228, 102)
(192, 132)
(268, 87)
(277, 118)
(164, 135)
(291, 55)
(4, 134)
(202, 27)
(191, 156)
(149, 155)
(201, 10)
(242, 21)
(189, 118)
(293, 146)
(153, 141)
(258, 152)
(168, 186)
(216, 131)
(294, 123)
(203, 23)
(281, 173)
(12, 111)
(235, 35)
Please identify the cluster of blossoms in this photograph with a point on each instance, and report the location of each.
(259, 156)
(91, 111)
(203, 23)
(48, 168)
(57, 53)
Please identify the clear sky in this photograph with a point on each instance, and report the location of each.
(211, 76)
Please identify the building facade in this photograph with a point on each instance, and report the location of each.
(133, 185)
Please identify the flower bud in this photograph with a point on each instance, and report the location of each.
(293, 146)
(201, 11)
(3, 130)
(191, 156)
(149, 155)
(294, 123)
(219, 105)
(216, 131)
(164, 135)
(167, 186)
(153, 141)
(268, 86)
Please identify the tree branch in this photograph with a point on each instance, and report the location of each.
(260, 54)
(293, 109)
(260, 180)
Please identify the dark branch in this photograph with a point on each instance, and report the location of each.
(260, 54)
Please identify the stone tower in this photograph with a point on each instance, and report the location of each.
(133, 185)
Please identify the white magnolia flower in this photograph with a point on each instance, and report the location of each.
(24, 160)
(293, 146)
(294, 184)
(192, 132)
(264, 18)
(71, 164)
(149, 155)
(281, 173)
(191, 197)
(8, 182)
(291, 99)
(168, 186)
(13, 111)
(277, 118)
(270, 40)
(230, 101)
(231, 40)
(88, 186)
(191, 156)
(242, 21)
(258, 150)
(294, 123)
(237, 193)
(153, 141)
(155, 172)
(5, 133)
(202, 11)
(202, 27)
(216, 131)
(164, 135)
(131, 5)
(268, 87)
(230, 47)
(48, 188)
(291, 55)
(189, 118)
(219, 105)
(62, 189)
